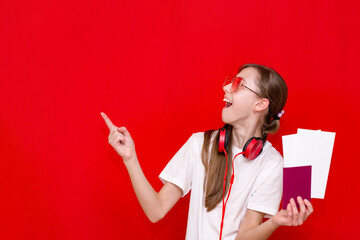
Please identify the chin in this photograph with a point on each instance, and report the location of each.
(229, 118)
(224, 118)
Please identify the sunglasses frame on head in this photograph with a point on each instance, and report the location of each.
(235, 83)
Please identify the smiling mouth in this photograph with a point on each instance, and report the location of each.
(227, 103)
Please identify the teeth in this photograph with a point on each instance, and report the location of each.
(227, 100)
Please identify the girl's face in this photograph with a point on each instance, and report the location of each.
(239, 105)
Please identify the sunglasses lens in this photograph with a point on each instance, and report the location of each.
(227, 80)
(235, 84)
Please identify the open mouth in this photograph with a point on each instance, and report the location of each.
(227, 103)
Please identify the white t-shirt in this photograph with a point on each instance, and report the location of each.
(257, 186)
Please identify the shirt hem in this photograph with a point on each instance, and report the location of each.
(268, 212)
(166, 178)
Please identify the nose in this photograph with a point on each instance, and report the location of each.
(227, 87)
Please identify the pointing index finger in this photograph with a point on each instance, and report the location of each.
(107, 121)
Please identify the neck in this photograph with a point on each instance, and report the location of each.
(243, 132)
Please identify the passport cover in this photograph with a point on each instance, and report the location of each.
(296, 182)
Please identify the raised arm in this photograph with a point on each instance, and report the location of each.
(155, 204)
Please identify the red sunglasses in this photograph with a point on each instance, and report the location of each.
(235, 83)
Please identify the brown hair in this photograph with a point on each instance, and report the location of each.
(273, 87)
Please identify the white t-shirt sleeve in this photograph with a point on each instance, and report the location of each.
(179, 170)
(267, 197)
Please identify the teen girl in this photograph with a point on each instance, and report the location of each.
(231, 192)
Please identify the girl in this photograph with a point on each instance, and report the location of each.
(224, 205)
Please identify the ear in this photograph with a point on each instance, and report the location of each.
(261, 104)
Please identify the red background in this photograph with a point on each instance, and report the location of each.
(157, 67)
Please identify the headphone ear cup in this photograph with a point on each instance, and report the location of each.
(222, 138)
(253, 148)
(227, 139)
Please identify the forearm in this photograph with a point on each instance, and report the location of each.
(155, 205)
(260, 232)
(145, 193)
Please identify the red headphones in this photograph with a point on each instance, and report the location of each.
(252, 149)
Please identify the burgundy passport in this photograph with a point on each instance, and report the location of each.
(297, 182)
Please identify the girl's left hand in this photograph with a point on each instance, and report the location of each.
(291, 216)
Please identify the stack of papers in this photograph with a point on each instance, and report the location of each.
(305, 152)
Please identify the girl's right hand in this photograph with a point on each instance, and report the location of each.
(120, 140)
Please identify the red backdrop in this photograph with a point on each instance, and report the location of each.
(157, 67)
